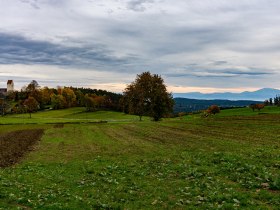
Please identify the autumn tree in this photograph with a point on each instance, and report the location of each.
(69, 96)
(253, 107)
(260, 106)
(46, 95)
(58, 101)
(134, 97)
(11, 95)
(80, 98)
(99, 100)
(256, 106)
(147, 95)
(31, 105)
(33, 90)
(19, 107)
(22, 95)
(161, 101)
(214, 109)
(4, 106)
(90, 103)
(33, 85)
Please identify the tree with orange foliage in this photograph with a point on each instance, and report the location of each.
(69, 96)
(99, 101)
(256, 106)
(90, 103)
(31, 105)
(46, 95)
(214, 109)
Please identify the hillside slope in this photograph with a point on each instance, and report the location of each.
(190, 105)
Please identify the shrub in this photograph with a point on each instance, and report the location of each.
(214, 109)
(256, 106)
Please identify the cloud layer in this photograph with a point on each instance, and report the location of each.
(214, 44)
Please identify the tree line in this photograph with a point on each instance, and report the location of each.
(273, 101)
(32, 98)
(146, 96)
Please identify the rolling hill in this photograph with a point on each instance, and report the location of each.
(190, 105)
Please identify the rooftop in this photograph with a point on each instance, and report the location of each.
(10, 82)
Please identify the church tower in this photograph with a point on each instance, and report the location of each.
(10, 86)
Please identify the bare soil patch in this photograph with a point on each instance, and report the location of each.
(14, 145)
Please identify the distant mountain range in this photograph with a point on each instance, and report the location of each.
(191, 105)
(259, 95)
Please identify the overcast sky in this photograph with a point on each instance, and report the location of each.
(195, 45)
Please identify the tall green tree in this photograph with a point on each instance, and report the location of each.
(148, 95)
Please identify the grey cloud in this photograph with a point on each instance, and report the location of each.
(18, 50)
(32, 3)
(251, 72)
(218, 63)
(138, 5)
(220, 73)
(212, 42)
(21, 81)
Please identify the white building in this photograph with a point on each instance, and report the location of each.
(10, 86)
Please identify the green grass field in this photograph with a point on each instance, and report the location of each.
(67, 116)
(228, 161)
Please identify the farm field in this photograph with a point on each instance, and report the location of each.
(228, 161)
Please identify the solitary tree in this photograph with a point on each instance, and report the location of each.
(147, 95)
(31, 105)
(257, 106)
(214, 109)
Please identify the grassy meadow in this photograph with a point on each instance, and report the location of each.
(73, 115)
(228, 161)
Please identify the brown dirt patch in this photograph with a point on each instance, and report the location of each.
(14, 145)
